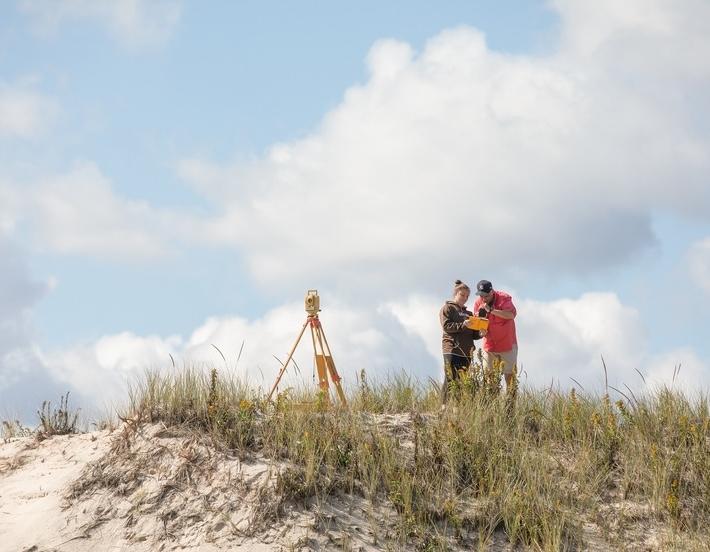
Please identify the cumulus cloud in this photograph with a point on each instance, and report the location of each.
(24, 112)
(681, 369)
(18, 293)
(455, 155)
(23, 379)
(461, 154)
(253, 350)
(99, 371)
(24, 383)
(698, 259)
(560, 341)
(134, 23)
(9, 208)
(566, 339)
(418, 315)
(558, 160)
(79, 212)
(604, 29)
(569, 337)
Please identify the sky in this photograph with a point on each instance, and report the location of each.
(174, 175)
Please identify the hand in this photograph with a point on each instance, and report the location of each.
(482, 333)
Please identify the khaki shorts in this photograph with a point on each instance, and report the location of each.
(509, 359)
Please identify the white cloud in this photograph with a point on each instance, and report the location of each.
(134, 23)
(454, 154)
(24, 112)
(23, 380)
(619, 34)
(79, 213)
(99, 371)
(680, 369)
(18, 293)
(698, 259)
(463, 155)
(358, 338)
(418, 315)
(567, 338)
(559, 340)
(9, 209)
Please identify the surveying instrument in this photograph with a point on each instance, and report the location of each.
(321, 350)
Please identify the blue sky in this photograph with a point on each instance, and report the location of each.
(177, 174)
(231, 81)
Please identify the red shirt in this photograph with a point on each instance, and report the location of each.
(501, 332)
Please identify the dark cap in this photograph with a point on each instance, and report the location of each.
(484, 287)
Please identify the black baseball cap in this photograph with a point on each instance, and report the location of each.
(484, 287)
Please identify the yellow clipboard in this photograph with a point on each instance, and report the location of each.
(477, 323)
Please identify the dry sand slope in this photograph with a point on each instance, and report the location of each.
(33, 479)
(153, 488)
(145, 488)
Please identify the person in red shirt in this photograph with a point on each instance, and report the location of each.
(501, 342)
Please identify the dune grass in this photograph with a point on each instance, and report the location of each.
(60, 420)
(538, 465)
(13, 429)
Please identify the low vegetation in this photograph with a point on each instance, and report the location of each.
(56, 421)
(13, 429)
(551, 470)
(61, 420)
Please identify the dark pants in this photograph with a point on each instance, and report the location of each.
(453, 365)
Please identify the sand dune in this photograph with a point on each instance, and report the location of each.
(160, 489)
(33, 480)
(150, 487)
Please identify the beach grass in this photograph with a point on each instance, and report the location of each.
(542, 466)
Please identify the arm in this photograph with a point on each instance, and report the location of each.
(506, 314)
(507, 311)
(449, 325)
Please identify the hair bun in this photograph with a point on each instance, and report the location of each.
(458, 282)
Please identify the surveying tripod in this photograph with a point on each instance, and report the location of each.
(323, 357)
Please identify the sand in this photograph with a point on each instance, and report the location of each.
(33, 479)
(164, 491)
(145, 488)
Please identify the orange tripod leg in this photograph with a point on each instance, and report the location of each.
(331, 365)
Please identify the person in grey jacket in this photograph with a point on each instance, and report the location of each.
(457, 339)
